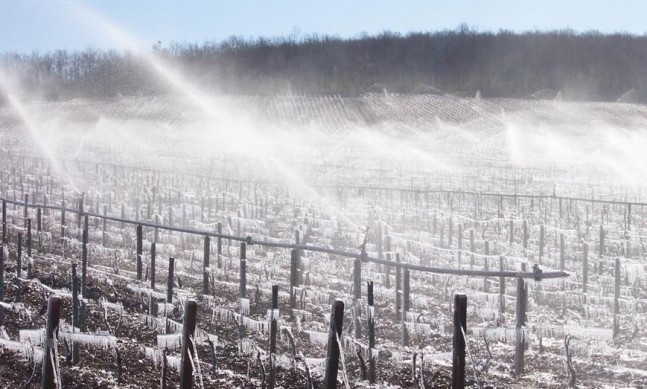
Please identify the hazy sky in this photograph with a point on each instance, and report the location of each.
(29, 25)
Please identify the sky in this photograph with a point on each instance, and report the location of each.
(43, 26)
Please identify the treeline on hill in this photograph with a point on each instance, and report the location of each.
(583, 66)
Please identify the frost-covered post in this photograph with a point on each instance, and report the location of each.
(472, 249)
(84, 263)
(542, 239)
(104, 237)
(520, 341)
(297, 241)
(406, 306)
(123, 213)
(357, 295)
(46, 200)
(26, 209)
(188, 358)
(294, 277)
(39, 227)
(156, 230)
(63, 217)
(48, 373)
(398, 286)
(460, 244)
(19, 257)
(458, 353)
(242, 290)
(80, 214)
(525, 233)
(4, 221)
(616, 297)
(370, 321)
(562, 252)
(486, 281)
(387, 268)
(273, 331)
(332, 356)
(29, 266)
(501, 287)
(601, 252)
(139, 251)
(153, 258)
(75, 313)
(205, 265)
(219, 245)
(1, 278)
(169, 281)
(585, 267)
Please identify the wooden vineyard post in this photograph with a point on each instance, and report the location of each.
(616, 297)
(357, 295)
(19, 257)
(26, 209)
(39, 227)
(169, 281)
(205, 265)
(188, 358)
(458, 354)
(139, 251)
(585, 267)
(542, 240)
(501, 287)
(297, 241)
(471, 249)
(601, 252)
(49, 367)
(294, 277)
(104, 236)
(511, 232)
(460, 244)
(525, 234)
(332, 356)
(153, 259)
(562, 252)
(4, 222)
(242, 289)
(370, 321)
(486, 281)
(75, 313)
(520, 341)
(387, 268)
(29, 260)
(84, 258)
(273, 332)
(406, 306)
(63, 219)
(398, 286)
(1, 283)
(219, 245)
(80, 214)
(123, 213)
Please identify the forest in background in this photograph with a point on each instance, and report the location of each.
(580, 66)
